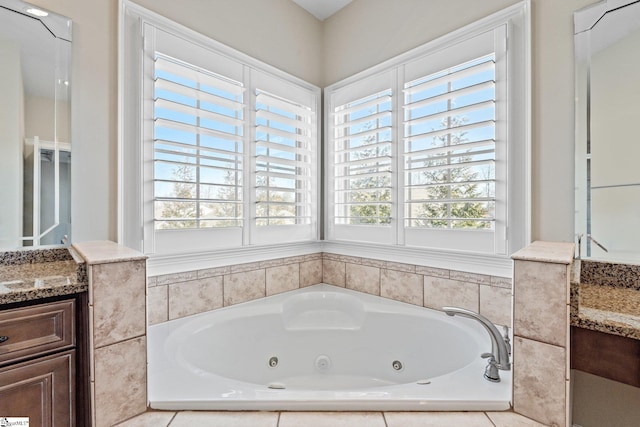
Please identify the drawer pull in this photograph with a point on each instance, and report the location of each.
(3, 338)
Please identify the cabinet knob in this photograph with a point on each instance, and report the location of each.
(3, 338)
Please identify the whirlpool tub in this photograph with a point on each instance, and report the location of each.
(322, 348)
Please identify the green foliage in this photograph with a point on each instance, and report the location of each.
(432, 214)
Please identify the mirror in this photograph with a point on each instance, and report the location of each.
(35, 144)
(607, 58)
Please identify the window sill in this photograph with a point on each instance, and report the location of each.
(493, 265)
(168, 264)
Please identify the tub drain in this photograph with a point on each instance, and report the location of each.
(397, 365)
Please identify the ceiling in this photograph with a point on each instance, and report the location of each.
(322, 9)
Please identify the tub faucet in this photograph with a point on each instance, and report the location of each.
(499, 356)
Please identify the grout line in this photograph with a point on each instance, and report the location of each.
(175, 414)
(384, 418)
(278, 422)
(489, 418)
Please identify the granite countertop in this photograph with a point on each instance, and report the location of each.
(25, 278)
(603, 304)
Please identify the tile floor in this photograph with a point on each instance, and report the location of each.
(329, 419)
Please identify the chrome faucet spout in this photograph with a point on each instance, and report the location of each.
(499, 348)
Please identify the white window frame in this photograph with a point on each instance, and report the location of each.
(206, 247)
(398, 244)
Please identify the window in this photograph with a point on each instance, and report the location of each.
(227, 146)
(362, 160)
(198, 147)
(429, 150)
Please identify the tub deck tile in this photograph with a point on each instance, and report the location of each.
(511, 419)
(225, 419)
(150, 419)
(437, 419)
(328, 419)
(331, 419)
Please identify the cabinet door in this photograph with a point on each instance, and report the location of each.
(36, 330)
(41, 389)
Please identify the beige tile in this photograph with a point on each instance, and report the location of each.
(342, 258)
(104, 252)
(442, 292)
(158, 304)
(166, 279)
(119, 300)
(548, 252)
(374, 262)
(463, 276)
(502, 282)
(311, 272)
(495, 304)
(195, 296)
(245, 286)
(401, 286)
(272, 263)
(120, 381)
(240, 268)
(216, 271)
(511, 419)
(431, 271)
(149, 419)
(539, 381)
(540, 301)
(398, 266)
(331, 419)
(293, 259)
(313, 257)
(283, 278)
(152, 281)
(333, 272)
(437, 419)
(225, 419)
(363, 278)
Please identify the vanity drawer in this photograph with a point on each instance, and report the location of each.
(36, 330)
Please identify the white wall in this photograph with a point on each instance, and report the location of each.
(369, 31)
(289, 38)
(276, 31)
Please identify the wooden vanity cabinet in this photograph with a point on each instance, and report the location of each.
(41, 375)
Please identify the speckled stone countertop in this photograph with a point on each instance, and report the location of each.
(605, 297)
(37, 274)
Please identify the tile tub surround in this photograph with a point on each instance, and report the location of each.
(177, 295)
(117, 331)
(542, 273)
(329, 419)
(40, 273)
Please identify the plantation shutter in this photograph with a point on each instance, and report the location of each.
(449, 147)
(362, 159)
(195, 105)
(454, 146)
(198, 147)
(283, 161)
(417, 153)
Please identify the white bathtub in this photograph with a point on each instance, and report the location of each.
(322, 348)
